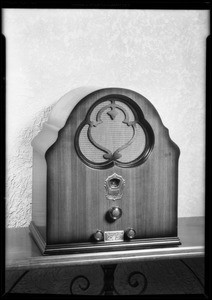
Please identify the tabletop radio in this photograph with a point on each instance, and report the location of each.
(105, 175)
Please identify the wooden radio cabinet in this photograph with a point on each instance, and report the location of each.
(105, 175)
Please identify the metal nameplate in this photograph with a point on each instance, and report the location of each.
(114, 236)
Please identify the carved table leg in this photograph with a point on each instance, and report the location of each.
(108, 288)
(136, 281)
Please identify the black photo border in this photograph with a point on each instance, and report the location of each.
(130, 4)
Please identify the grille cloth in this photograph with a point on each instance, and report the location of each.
(112, 134)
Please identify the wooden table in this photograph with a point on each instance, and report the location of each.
(23, 254)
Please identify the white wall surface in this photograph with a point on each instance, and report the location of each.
(158, 53)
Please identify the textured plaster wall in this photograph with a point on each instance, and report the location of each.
(160, 54)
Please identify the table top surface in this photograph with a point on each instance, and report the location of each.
(23, 253)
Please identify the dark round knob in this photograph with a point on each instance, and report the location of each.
(115, 212)
(98, 235)
(130, 233)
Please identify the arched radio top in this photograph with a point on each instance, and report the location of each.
(63, 108)
(112, 158)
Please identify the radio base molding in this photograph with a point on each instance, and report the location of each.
(73, 248)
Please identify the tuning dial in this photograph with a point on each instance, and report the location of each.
(130, 233)
(98, 235)
(115, 212)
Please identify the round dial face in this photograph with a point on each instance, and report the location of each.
(114, 183)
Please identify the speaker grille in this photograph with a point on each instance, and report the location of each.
(112, 128)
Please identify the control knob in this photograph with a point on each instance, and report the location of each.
(115, 212)
(130, 233)
(98, 235)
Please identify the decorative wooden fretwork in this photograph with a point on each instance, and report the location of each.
(114, 132)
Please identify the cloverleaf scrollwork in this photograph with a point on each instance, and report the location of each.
(112, 157)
